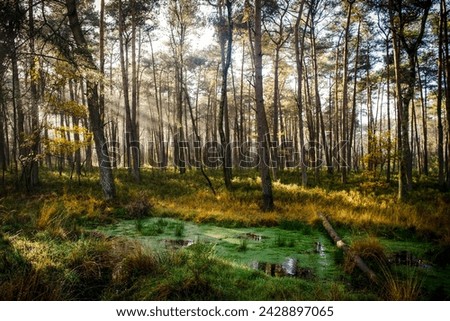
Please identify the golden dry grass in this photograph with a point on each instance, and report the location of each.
(295, 203)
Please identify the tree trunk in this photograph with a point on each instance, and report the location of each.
(345, 134)
(226, 45)
(136, 150)
(197, 136)
(353, 114)
(132, 143)
(35, 130)
(105, 168)
(261, 119)
(344, 247)
(388, 90)
(447, 77)
(423, 103)
(440, 94)
(276, 107)
(299, 46)
(408, 78)
(3, 162)
(162, 162)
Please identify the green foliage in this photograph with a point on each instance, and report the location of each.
(153, 229)
(139, 207)
(179, 230)
(50, 251)
(281, 241)
(243, 245)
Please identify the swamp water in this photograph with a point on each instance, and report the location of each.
(302, 252)
(278, 252)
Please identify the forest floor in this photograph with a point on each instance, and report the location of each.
(170, 238)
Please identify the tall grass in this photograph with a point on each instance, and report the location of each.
(402, 287)
(48, 254)
(395, 283)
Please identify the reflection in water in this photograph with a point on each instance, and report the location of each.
(288, 268)
(251, 236)
(320, 249)
(175, 244)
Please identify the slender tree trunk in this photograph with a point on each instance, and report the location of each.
(299, 46)
(102, 56)
(404, 98)
(197, 136)
(418, 151)
(35, 130)
(276, 107)
(136, 150)
(106, 175)
(402, 189)
(405, 154)
(318, 106)
(345, 136)
(3, 161)
(76, 137)
(423, 100)
(388, 90)
(178, 34)
(17, 92)
(440, 94)
(132, 143)
(261, 119)
(226, 45)
(446, 44)
(337, 110)
(351, 142)
(161, 151)
(242, 138)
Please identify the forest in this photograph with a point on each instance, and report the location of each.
(224, 150)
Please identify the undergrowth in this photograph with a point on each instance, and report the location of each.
(49, 249)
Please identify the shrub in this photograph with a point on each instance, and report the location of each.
(20, 280)
(135, 264)
(243, 245)
(140, 207)
(54, 219)
(370, 250)
(179, 230)
(399, 287)
(91, 263)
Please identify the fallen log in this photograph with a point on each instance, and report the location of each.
(346, 249)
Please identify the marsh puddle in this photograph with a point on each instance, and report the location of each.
(250, 236)
(271, 245)
(177, 244)
(307, 253)
(289, 268)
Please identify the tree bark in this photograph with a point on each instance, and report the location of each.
(261, 119)
(347, 250)
(345, 134)
(440, 94)
(226, 45)
(132, 144)
(106, 175)
(408, 78)
(299, 46)
(446, 44)
(35, 128)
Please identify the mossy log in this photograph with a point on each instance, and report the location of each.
(344, 247)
